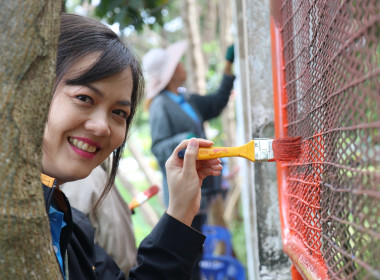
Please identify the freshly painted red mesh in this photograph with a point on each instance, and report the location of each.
(331, 51)
(303, 193)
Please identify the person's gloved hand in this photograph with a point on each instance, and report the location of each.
(230, 54)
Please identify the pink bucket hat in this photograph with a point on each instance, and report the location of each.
(159, 65)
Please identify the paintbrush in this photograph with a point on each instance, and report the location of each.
(259, 149)
(142, 197)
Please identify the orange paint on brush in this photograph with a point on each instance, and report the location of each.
(286, 149)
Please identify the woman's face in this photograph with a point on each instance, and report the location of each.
(179, 76)
(85, 123)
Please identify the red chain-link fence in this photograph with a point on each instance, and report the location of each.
(326, 60)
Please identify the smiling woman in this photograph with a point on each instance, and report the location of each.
(89, 123)
(98, 87)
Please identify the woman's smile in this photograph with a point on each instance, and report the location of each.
(84, 147)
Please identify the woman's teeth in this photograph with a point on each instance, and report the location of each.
(81, 145)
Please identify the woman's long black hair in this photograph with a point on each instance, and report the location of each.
(81, 36)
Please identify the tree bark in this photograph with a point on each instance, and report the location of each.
(28, 41)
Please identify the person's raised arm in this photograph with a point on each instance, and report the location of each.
(211, 105)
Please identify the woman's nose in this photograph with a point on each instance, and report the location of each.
(98, 123)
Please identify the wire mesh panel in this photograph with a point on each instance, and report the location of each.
(331, 51)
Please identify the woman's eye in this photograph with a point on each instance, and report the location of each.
(84, 98)
(120, 113)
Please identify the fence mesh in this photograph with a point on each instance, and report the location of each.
(332, 70)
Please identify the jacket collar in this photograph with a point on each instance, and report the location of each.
(48, 181)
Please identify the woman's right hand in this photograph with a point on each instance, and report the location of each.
(185, 178)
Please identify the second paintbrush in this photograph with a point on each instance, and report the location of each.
(259, 149)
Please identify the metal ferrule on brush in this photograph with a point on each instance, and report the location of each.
(263, 149)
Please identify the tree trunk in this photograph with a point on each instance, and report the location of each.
(28, 41)
(228, 121)
(197, 72)
(229, 127)
(210, 21)
(225, 24)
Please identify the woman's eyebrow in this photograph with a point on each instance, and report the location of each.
(98, 92)
(124, 103)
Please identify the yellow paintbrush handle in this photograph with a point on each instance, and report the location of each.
(246, 151)
(218, 152)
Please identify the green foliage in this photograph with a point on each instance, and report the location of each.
(136, 13)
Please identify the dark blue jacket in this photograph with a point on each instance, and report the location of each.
(168, 252)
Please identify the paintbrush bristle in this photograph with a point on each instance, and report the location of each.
(286, 149)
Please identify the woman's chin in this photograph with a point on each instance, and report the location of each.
(75, 176)
(82, 175)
